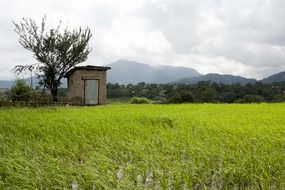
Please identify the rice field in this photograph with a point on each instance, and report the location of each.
(199, 146)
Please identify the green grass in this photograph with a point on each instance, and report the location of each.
(118, 101)
(201, 146)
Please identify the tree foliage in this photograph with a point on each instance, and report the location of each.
(201, 92)
(55, 50)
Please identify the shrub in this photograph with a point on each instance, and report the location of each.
(138, 100)
(20, 91)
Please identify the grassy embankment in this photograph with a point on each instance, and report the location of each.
(143, 147)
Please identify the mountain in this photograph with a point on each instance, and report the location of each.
(279, 77)
(225, 79)
(9, 83)
(6, 83)
(125, 72)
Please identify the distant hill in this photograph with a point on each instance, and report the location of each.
(279, 77)
(225, 79)
(6, 83)
(9, 83)
(125, 72)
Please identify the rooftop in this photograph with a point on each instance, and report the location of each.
(87, 67)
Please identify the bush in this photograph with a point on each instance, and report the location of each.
(20, 91)
(138, 100)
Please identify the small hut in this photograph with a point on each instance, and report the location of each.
(87, 85)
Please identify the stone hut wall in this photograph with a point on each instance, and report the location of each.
(76, 85)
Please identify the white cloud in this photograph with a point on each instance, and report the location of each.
(223, 36)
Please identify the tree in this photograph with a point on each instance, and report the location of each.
(228, 97)
(55, 50)
(182, 97)
(208, 95)
(251, 98)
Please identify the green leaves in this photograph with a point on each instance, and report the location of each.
(56, 50)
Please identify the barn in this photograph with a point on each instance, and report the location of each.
(87, 85)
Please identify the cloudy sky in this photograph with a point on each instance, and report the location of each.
(244, 37)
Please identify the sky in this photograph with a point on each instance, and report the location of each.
(244, 37)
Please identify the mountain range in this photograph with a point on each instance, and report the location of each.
(279, 77)
(9, 83)
(6, 83)
(126, 72)
(217, 78)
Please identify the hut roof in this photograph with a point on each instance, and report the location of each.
(87, 67)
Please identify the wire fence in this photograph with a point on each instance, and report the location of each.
(31, 100)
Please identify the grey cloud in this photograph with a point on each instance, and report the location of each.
(177, 19)
(227, 36)
(250, 32)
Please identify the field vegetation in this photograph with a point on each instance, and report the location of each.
(200, 146)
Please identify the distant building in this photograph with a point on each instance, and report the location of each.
(87, 85)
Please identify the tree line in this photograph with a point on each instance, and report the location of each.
(202, 92)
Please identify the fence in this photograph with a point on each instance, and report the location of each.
(31, 100)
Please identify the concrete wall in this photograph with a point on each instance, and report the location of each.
(76, 85)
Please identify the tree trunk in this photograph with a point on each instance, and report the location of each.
(53, 92)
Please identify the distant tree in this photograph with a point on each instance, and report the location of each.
(208, 95)
(176, 99)
(56, 51)
(201, 92)
(228, 97)
(251, 98)
(187, 96)
(279, 98)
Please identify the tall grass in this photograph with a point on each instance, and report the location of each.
(143, 147)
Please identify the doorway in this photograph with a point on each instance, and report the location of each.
(91, 92)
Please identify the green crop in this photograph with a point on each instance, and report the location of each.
(200, 146)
